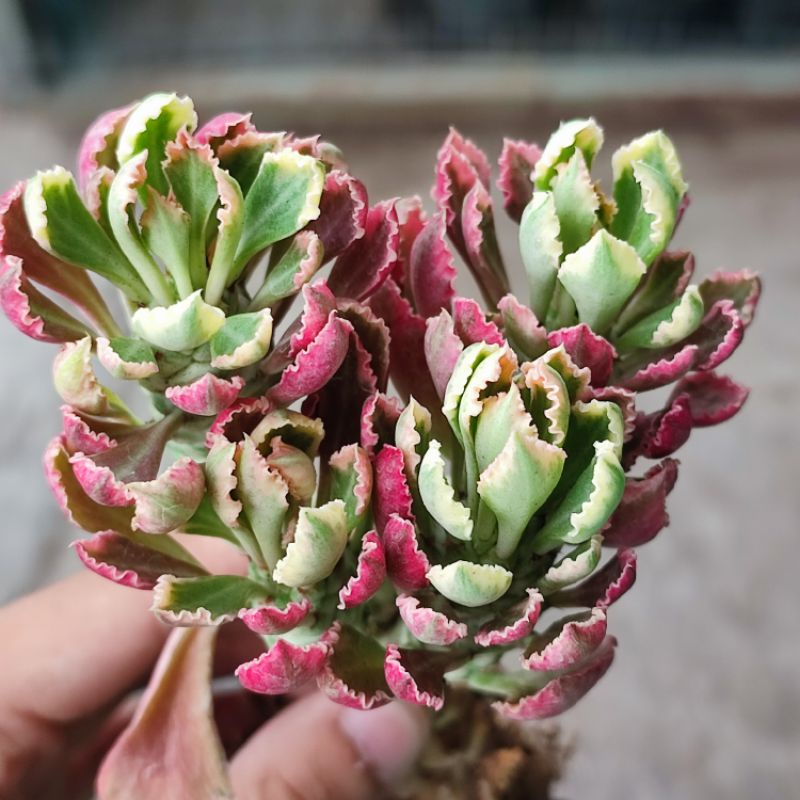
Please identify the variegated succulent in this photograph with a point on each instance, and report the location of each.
(395, 546)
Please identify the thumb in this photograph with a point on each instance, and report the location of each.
(318, 750)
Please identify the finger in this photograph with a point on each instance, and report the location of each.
(318, 750)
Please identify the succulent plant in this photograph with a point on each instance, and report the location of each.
(447, 543)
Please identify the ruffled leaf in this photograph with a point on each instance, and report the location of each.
(521, 329)
(517, 161)
(207, 396)
(541, 249)
(605, 587)
(370, 573)
(342, 213)
(207, 600)
(587, 349)
(642, 512)
(392, 492)
(668, 325)
(351, 482)
(283, 198)
(136, 560)
(353, 674)
(98, 145)
(182, 326)
(573, 567)
(129, 359)
(363, 267)
(416, 676)
(470, 584)
(563, 691)
(319, 542)
(427, 625)
(431, 271)
(712, 398)
(406, 564)
(567, 642)
(283, 668)
(515, 624)
(742, 288)
(584, 135)
(271, 619)
(243, 340)
(603, 261)
(576, 202)
(438, 496)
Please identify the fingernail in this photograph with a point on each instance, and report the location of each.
(388, 739)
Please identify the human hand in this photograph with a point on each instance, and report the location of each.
(71, 654)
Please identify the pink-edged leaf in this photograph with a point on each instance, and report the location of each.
(431, 271)
(443, 347)
(80, 437)
(19, 250)
(370, 573)
(238, 419)
(521, 328)
(642, 512)
(563, 691)
(719, 334)
(391, 493)
(412, 219)
(342, 213)
(654, 370)
(135, 560)
(427, 625)
(32, 312)
(662, 433)
(318, 302)
(270, 619)
(515, 624)
(207, 396)
(407, 344)
(742, 288)
(77, 506)
(170, 500)
(417, 676)
(470, 323)
(352, 463)
(353, 673)
(587, 349)
(99, 481)
(604, 587)
(712, 398)
(567, 642)
(460, 164)
(366, 264)
(625, 399)
(283, 668)
(98, 146)
(406, 564)
(378, 417)
(314, 366)
(517, 160)
(481, 249)
(224, 126)
(372, 333)
(171, 747)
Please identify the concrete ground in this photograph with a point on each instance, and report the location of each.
(704, 698)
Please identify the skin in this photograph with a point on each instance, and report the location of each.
(65, 695)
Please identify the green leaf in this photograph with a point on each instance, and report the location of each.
(207, 600)
(588, 504)
(122, 200)
(411, 435)
(319, 542)
(541, 249)
(600, 277)
(152, 123)
(549, 403)
(126, 358)
(295, 268)
(517, 484)
(574, 566)
(264, 497)
(576, 202)
(191, 174)
(241, 157)
(669, 325)
(165, 230)
(648, 190)
(62, 225)
(244, 339)
(283, 199)
(470, 584)
(179, 327)
(502, 414)
(438, 495)
(584, 135)
(351, 482)
(230, 219)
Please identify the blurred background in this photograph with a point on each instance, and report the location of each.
(704, 699)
